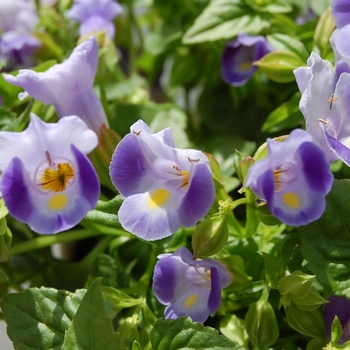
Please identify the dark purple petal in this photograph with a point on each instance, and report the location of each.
(214, 300)
(341, 12)
(315, 167)
(199, 198)
(338, 306)
(129, 169)
(15, 191)
(165, 278)
(339, 149)
(87, 180)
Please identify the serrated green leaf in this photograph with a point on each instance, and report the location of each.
(37, 319)
(326, 242)
(225, 19)
(182, 333)
(91, 327)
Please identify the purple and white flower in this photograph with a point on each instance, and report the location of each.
(238, 57)
(95, 15)
(293, 179)
(47, 180)
(325, 103)
(189, 287)
(18, 19)
(68, 86)
(164, 187)
(338, 306)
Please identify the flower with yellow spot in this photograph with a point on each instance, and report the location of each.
(164, 187)
(239, 55)
(189, 287)
(47, 180)
(293, 179)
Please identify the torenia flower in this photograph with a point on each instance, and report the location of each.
(68, 86)
(189, 287)
(338, 306)
(293, 179)
(47, 180)
(95, 15)
(18, 18)
(164, 187)
(325, 103)
(238, 57)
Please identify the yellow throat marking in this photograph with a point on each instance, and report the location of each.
(158, 198)
(190, 301)
(291, 200)
(58, 202)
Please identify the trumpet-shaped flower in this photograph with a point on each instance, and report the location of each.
(189, 287)
(164, 187)
(325, 103)
(95, 15)
(47, 180)
(68, 86)
(238, 57)
(18, 18)
(338, 306)
(293, 179)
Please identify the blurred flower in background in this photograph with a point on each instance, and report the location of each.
(338, 306)
(189, 287)
(68, 86)
(238, 57)
(293, 179)
(164, 187)
(95, 16)
(18, 19)
(47, 180)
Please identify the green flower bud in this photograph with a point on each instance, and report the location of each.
(210, 236)
(309, 323)
(261, 323)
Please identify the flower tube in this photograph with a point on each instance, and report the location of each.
(47, 180)
(164, 187)
(293, 179)
(68, 86)
(238, 57)
(189, 287)
(95, 15)
(325, 103)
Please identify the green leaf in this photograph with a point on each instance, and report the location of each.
(37, 319)
(326, 242)
(324, 29)
(233, 328)
(273, 271)
(225, 19)
(91, 327)
(286, 116)
(283, 42)
(279, 65)
(336, 330)
(3, 276)
(272, 6)
(119, 299)
(182, 333)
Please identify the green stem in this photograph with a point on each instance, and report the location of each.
(132, 52)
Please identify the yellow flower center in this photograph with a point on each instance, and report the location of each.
(245, 65)
(158, 198)
(56, 180)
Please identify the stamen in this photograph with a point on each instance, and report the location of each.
(331, 100)
(137, 133)
(193, 160)
(283, 174)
